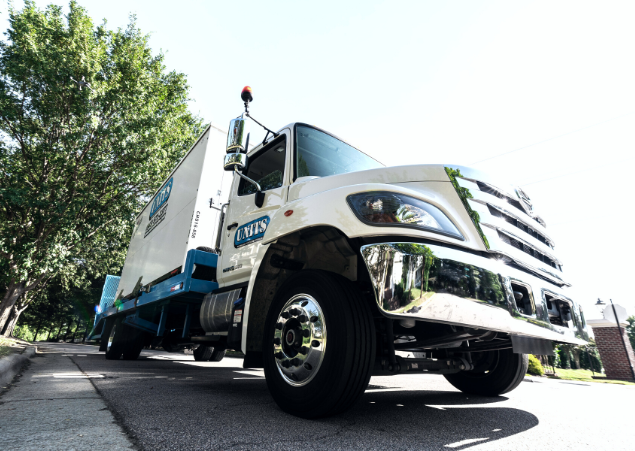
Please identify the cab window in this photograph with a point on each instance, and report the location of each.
(266, 168)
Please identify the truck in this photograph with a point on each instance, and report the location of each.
(324, 267)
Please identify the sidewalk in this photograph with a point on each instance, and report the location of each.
(54, 406)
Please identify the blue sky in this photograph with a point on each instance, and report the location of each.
(541, 93)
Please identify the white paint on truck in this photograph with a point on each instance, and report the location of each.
(182, 215)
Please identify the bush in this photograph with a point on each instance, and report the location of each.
(535, 367)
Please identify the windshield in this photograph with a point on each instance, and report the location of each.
(319, 154)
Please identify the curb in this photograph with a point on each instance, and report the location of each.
(11, 365)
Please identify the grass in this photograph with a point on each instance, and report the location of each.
(585, 376)
(9, 346)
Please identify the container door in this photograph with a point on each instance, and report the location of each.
(245, 223)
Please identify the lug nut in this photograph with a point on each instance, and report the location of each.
(276, 341)
(296, 362)
(315, 343)
(279, 326)
(285, 315)
(306, 333)
(308, 366)
(286, 363)
(303, 350)
(294, 311)
(314, 319)
(302, 318)
(278, 355)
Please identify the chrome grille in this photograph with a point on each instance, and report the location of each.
(529, 230)
(508, 226)
(518, 244)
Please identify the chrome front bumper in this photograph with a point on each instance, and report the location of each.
(438, 284)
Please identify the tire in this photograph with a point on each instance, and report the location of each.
(217, 355)
(310, 307)
(116, 340)
(202, 353)
(497, 372)
(134, 343)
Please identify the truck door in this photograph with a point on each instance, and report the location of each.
(245, 223)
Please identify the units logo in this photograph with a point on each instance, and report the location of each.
(161, 198)
(251, 231)
(159, 207)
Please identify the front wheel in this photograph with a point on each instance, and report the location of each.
(319, 345)
(495, 373)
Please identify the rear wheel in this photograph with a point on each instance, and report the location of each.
(308, 375)
(114, 346)
(202, 353)
(217, 355)
(134, 343)
(495, 373)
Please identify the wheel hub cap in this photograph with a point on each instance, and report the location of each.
(299, 340)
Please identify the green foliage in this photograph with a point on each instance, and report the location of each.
(464, 195)
(90, 124)
(565, 357)
(630, 330)
(535, 367)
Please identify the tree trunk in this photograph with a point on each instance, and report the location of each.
(13, 320)
(10, 325)
(14, 290)
(37, 330)
(576, 358)
(11, 296)
(68, 329)
(59, 331)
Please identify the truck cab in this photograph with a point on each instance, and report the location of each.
(327, 267)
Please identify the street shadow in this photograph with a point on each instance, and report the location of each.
(229, 407)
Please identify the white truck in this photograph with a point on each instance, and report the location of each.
(324, 267)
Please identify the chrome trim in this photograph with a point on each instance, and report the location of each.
(477, 203)
(483, 198)
(238, 135)
(464, 195)
(438, 284)
(536, 248)
(253, 182)
(235, 161)
(513, 215)
(299, 341)
(504, 189)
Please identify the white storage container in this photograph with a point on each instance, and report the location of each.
(182, 215)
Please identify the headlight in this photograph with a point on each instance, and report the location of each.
(381, 208)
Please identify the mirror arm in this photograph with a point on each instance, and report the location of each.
(248, 179)
(275, 135)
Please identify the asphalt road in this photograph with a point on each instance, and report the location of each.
(170, 402)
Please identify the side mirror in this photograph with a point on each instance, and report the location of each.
(235, 161)
(238, 136)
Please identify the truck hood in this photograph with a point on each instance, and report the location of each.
(307, 186)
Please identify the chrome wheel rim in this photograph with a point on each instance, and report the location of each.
(299, 340)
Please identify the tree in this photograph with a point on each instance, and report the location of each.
(90, 123)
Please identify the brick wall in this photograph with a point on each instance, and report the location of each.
(612, 352)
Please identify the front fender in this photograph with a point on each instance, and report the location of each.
(329, 208)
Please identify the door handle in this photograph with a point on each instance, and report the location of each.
(231, 226)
